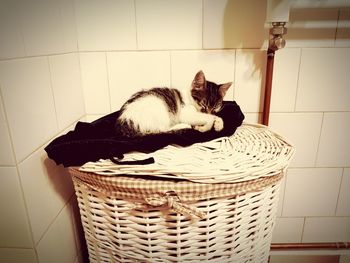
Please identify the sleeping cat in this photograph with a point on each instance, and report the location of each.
(162, 109)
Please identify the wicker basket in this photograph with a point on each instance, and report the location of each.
(162, 213)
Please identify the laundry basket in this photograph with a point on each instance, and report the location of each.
(210, 202)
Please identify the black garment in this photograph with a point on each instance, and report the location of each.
(99, 140)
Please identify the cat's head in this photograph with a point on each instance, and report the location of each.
(208, 95)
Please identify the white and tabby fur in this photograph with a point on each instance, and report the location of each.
(149, 114)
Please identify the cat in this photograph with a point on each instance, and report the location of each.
(161, 110)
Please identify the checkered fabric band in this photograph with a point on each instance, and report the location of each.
(174, 194)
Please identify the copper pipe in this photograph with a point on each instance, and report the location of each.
(276, 42)
(268, 86)
(310, 246)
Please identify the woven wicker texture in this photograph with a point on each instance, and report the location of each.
(235, 228)
(130, 217)
(253, 151)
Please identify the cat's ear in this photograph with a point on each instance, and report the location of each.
(198, 82)
(224, 88)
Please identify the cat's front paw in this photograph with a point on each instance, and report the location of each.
(218, 124)
(202, 128)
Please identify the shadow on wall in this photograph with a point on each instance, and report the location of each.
(244, 24)
(318, 27)
(244, 29)
(61, 180)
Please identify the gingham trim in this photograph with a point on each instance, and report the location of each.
(171, 193)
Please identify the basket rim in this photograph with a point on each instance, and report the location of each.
(253, 151)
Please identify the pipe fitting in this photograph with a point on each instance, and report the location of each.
(277, 31)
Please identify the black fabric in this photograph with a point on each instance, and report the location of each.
(99, 140)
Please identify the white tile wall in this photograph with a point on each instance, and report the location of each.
(343, 208)
(67, 90)
(234, 24)
(303, 131)
(130, 72)
(343, 29)
(325, 87)
(311, 192)
(6, 153)
(2, 111)
(252, 117)
(95, 82)
(327, 229)
(46, 188)
(167, 24)
(11, 44)
(281, 195)
(312, 27)
(58, 245)
(29, 103)
(91, 118)
(60, 182)
(217, 65)
(17, 255)
(334, 149)
(285, 80)
(288, 230)
(107, 25)
(68, 23)
(250, 79)
(14, 226)
(47, 26)
(43, 96)
(78, 229)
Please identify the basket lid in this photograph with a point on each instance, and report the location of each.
(254, 151)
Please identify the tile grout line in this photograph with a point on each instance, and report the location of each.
(136, 31)
(284, 193)
(75, 26)
(72, 217)
(202, 31)
(171, 69)
(319, 140)
(8, 129)
(149, 50)
(55, 218)
(339, 190)
(234, 75)
(298, 81)
(49, 140)
(52, 92)
(16, 166)
(336, 29)
(108, 82)
(120, 51)
(81, 82)
(303, 230)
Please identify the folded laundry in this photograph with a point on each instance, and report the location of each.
(99, 139)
